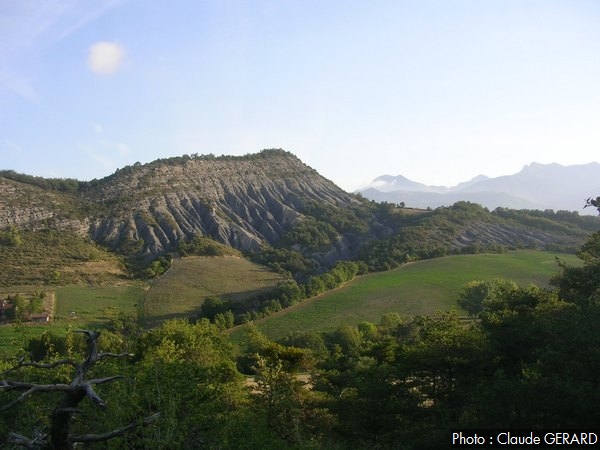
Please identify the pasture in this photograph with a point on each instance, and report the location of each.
(183, 288)
(419, 288)
(95, 306)
(74, 307)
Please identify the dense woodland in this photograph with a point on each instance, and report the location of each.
(528, 358)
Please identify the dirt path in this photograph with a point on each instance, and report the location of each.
(301, 377)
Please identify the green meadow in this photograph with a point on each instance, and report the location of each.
(75, 307)
(418, 288)
(179, 292)
(95, 306)
(183, 288)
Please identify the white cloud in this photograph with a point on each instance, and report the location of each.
(105, 58)
(27, 23)
(106, 162)
(107, 154)
(28, 27)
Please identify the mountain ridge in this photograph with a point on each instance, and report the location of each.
(269, 205)
(241, 201)
(536, 186)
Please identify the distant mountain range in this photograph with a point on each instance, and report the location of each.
(536, 186)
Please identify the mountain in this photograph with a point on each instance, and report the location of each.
(536, 186)
(388, 183)
(269, 205)
(244, 202)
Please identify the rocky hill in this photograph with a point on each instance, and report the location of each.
(265, 200)
(244, 202)
(148, 209)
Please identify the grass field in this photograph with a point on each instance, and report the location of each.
(178, 293)
(12, 338)
(418, 288)
(76, 306)
(414, 289)
(190, 280)
(95, 306)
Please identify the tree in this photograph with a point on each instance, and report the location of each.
(545, 358)
(594, 202)
(581, 284)
(59, 435)
(187, 372)
(279, 398)
(474, 294)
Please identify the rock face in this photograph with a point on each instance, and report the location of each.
(148, 209)
(33, 208)
(244, 202)
(247, 202)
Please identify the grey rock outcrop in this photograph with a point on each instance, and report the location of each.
(244, 202)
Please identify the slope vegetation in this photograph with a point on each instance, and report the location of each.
(420, 288)
(183, 289)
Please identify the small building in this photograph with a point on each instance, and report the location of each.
(39, 318)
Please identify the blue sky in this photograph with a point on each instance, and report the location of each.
(438, 91)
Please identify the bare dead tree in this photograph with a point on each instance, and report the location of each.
(58, 437)
(593, 202)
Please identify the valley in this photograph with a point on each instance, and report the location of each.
(240, 225)
(419, 288)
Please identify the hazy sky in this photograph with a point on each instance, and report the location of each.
(437, 91)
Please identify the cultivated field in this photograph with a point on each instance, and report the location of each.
(414, 289)
(418, 288)
(74, 307)
(95, 306)
(177, 293)
(190, 280)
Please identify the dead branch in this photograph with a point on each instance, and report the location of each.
(29, 389)
(115, 433)
(22, 363)
(72, 394)
(35, 443)
(114, 355)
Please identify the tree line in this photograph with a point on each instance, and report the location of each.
(228, 313)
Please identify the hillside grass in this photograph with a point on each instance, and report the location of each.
(12, 338)
(48, 257)
(183, 288)
(179, 292)
(419, 288)
(95, 306)
(75, 307)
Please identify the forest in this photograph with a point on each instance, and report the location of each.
(526, 358)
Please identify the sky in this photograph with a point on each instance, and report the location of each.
(438, 91)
